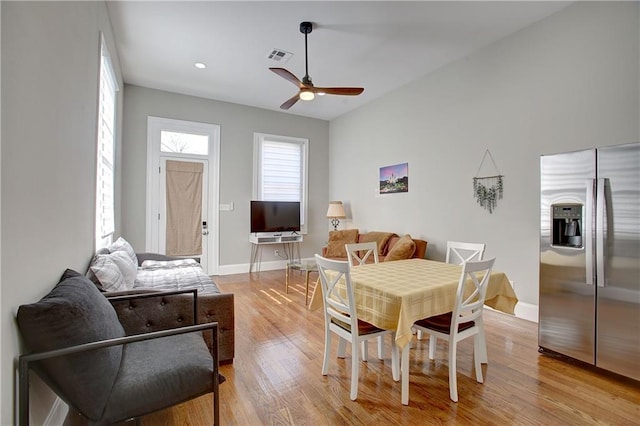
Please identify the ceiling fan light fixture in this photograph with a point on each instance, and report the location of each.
(307, 95)
(307, 91)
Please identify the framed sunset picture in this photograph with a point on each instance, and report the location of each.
(394, 178)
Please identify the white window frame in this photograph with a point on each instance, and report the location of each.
(106, 148)
(258, 141)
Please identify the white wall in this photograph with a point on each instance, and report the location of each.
(237, 125)
(568, 82)
(50, 63)
(0, 205)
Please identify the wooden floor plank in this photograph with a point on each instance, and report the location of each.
(276, 376)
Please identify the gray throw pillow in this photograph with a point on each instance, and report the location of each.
(75, 312)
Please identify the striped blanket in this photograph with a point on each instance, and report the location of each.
(174, 275)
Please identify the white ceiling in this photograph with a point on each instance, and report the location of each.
(372, 44)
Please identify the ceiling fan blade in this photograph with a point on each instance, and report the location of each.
(290, 102)
(345, 91)
(287, 76)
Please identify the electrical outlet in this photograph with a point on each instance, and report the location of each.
(277, 252)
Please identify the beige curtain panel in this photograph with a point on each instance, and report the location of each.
(184, 208)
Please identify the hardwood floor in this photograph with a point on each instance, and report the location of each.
(276, 376)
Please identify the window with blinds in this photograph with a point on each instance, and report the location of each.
(280, 170)
(105, 221)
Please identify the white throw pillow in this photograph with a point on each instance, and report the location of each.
(128, 269)
(108, 273)
(123, 245)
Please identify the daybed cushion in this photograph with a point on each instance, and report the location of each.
(337, 240)
(402, 249)
(73, 313)
(174, 275)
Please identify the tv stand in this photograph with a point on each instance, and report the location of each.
(274, 238)
(289, 243)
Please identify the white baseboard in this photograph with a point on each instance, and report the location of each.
(243, 268)
(527, 311)
(57, 414)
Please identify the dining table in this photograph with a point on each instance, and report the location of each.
(394, 295)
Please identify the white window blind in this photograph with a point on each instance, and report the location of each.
(105, 222)
(280, 170)
(281, 178)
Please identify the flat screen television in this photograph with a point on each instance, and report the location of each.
(275, 216)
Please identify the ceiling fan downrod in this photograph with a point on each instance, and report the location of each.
(306, 28)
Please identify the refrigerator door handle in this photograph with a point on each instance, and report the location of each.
(601, 222)
(588, 231)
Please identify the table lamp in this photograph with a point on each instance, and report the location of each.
(335, 212)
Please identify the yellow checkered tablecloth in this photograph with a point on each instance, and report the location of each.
(393, 295)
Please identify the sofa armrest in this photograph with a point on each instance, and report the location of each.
(144, 311)
(219, 308)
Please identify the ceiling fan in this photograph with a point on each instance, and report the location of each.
(307, 90)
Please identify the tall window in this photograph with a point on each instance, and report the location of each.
(280, 170)
(105, 222)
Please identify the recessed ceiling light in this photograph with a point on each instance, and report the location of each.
(200, 65)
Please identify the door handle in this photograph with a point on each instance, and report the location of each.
(205, 232)
(601, 222)
(588, 231)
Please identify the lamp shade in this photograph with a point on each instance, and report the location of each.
(336, 210)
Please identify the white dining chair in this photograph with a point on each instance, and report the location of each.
(464, 321)
(359, 253)
(459, 252)
(341, 318)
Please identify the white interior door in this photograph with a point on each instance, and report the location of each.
(183, 225)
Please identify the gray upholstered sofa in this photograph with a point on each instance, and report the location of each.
(102, 369)
(157, 272)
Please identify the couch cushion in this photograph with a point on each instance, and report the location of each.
(75, 312)
(337, 240)
(402, 249)
(381, 239)
(144, 372)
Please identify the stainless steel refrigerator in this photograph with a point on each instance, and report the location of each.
(589, 307)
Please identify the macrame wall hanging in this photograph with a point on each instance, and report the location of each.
(487, 190)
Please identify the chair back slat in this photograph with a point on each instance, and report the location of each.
(460, 252)
(338, 300)
(475, 275)
(358, 253)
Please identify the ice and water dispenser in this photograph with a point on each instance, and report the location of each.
(567, 225)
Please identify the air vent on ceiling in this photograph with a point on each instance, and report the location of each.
(280, 55)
